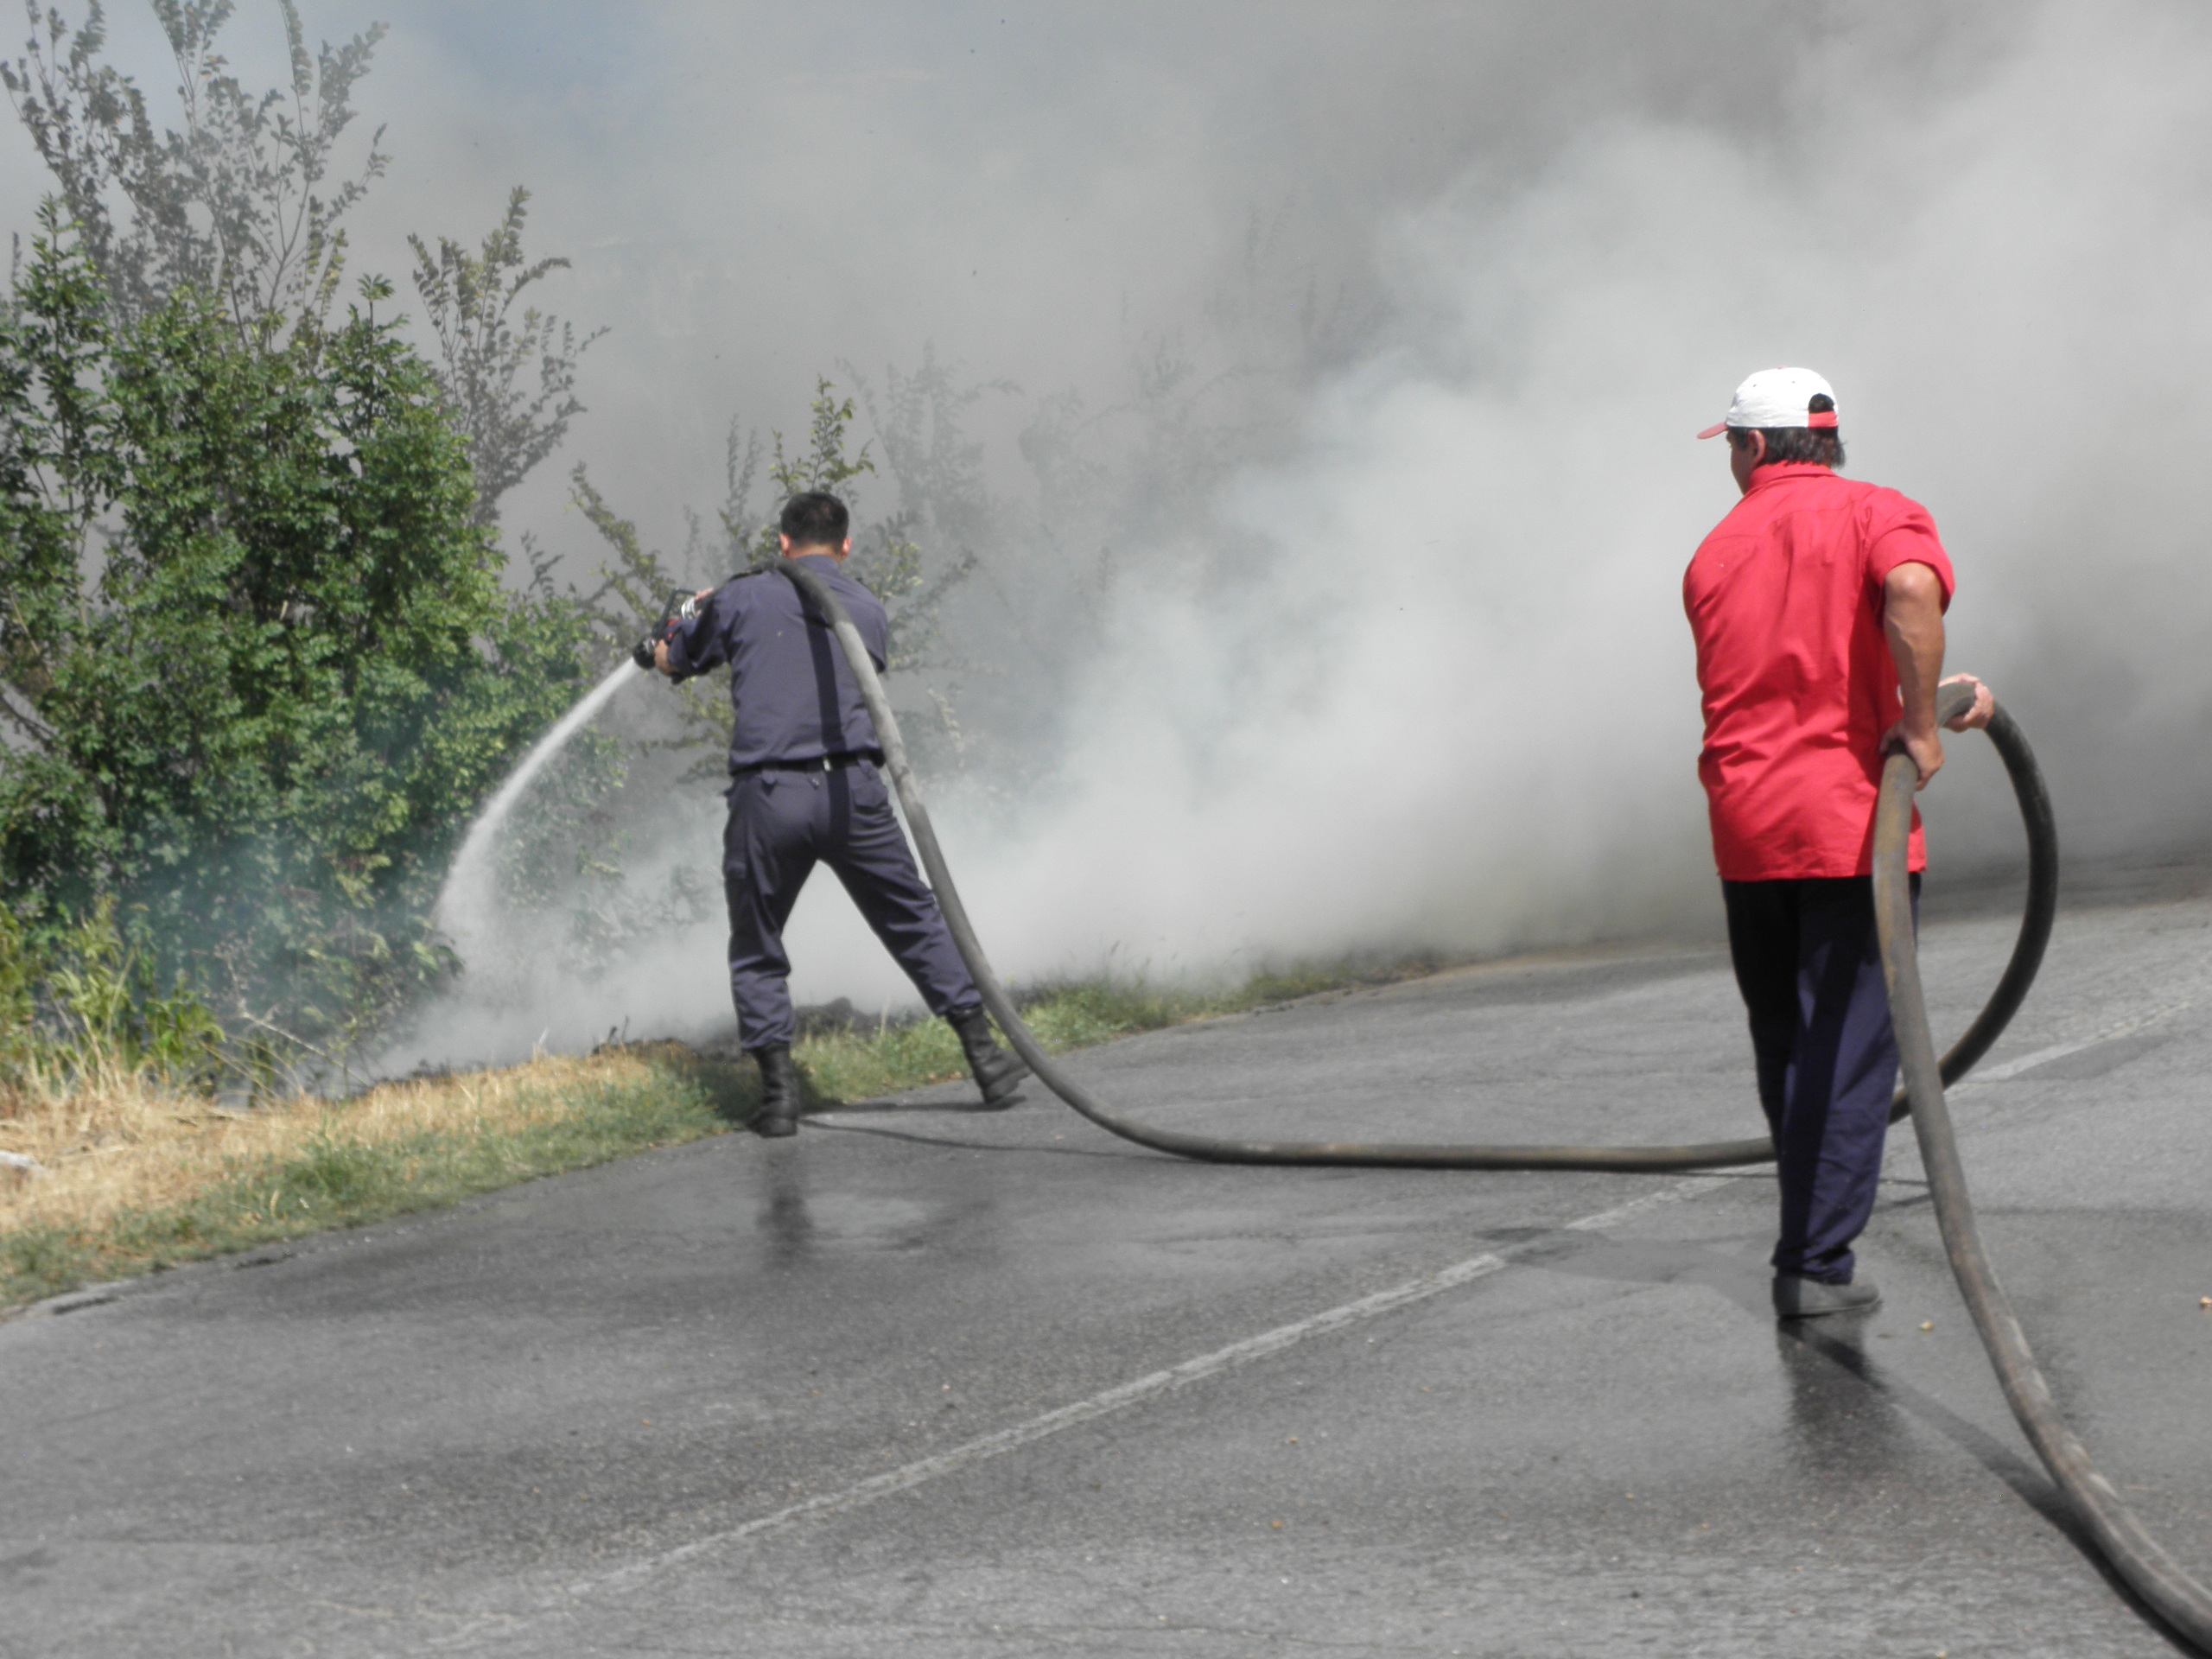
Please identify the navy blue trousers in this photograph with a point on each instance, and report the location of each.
(1809, 965)
(781, 824)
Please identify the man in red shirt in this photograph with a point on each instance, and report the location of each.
(1818, 607)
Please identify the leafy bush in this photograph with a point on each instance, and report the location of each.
(257, 659)
(84, 1010)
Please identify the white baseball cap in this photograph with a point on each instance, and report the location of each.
(1776, 397)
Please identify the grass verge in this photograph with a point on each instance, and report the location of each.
(859, 1064)
(132, 1181)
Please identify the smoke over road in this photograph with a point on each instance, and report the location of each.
(1415, 673)
(1454, 704)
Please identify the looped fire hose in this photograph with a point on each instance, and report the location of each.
(2138, 1557)
(2019, 972)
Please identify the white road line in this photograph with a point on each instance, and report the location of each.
(1121, 1397)
(1683, 1189)
(2028, 1062)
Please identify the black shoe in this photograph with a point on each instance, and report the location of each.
(998, 1073)
(779, 1095)
(1797, 1297)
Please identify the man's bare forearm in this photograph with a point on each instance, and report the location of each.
(1917, 643)
(1912, 617)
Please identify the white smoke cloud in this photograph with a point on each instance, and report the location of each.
(1424, 680)
(1454, 705)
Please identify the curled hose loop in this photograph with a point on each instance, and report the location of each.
(2019, 972)
(2138, 1557)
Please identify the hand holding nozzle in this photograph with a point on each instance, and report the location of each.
(651, 651)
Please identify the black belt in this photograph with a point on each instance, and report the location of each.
(813, 763)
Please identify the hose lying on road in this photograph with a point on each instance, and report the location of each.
(2138, 1557)
(2004, 1002)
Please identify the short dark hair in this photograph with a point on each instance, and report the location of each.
(1823, 444)
(816, 518)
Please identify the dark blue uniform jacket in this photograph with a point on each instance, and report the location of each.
(795, 698)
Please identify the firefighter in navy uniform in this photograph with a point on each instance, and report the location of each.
(806, 787)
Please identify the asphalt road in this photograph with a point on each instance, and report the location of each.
(927, 1383)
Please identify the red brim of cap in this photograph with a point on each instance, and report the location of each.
(1714, 431)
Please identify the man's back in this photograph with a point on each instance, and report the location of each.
(793, 693)
(1785, 599)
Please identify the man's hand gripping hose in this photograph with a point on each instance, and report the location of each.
(2138, 1558)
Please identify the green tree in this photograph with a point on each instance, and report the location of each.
(260, 659)
(239, 202)
(492, 355)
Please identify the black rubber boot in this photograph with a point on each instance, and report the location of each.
(998, 1073)
(1799, 1298)
(779, 1113)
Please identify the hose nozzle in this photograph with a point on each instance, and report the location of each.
(682, 608)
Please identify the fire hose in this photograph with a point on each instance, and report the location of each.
(2139, 1559)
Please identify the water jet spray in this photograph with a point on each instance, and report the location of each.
(464, 907)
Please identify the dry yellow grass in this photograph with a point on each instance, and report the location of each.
(133, 1178)
(125, 1146)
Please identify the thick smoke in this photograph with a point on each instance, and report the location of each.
(1416, 675)
(1448, 700)
(1455, 706)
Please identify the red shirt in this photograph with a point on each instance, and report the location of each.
(1785, 599)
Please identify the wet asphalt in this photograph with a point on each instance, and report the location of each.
(909, 1383)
